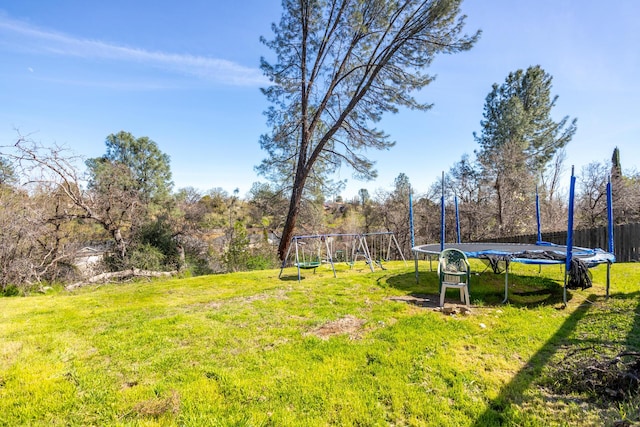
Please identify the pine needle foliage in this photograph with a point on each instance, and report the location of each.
(339, 66)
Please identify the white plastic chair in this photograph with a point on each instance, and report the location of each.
(454, 272)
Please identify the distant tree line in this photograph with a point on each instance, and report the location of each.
(57, 206)
(124, 202)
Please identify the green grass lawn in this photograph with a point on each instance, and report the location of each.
(366, 349)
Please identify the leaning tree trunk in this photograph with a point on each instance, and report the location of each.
(290, 223)
(301, 173)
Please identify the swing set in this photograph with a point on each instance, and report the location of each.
(304, 258)
(380, 246)
(312, 251)
(348, 248)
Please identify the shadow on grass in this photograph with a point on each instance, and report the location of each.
(633, 338)
(499, 408)
(571, 335)
(487, 288)
(590, 325)
(290, 278)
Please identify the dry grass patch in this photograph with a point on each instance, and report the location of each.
(347, 325)
(158, 406)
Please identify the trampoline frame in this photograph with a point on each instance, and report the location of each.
(523, 253)
(529, 254)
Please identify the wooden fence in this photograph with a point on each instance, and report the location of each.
(626, 240)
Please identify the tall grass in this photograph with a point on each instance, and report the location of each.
(363, 349)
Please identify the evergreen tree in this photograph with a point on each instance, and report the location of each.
(237, 253)
(7, 173)
(395, 212)
(625, 187)
(518, 140)
(341, 64)
(129, 182)
(616, 167)
(148, 169)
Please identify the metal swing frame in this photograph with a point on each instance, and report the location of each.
(392, 240)
(359, 248)
(304, 265)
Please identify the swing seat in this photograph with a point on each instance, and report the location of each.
(308, 265)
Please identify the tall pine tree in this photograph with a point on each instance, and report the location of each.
(340, 65)
(519, 139)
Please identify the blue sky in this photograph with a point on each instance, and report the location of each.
(186, 75)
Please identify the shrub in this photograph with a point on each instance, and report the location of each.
(11, 291)
(146, 257)
(258, 262)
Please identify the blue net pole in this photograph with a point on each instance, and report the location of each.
(442, 233)
(538, 215)
(609, 231)
(609, 217)
(572, 187)
(569, 234)
(455, 199)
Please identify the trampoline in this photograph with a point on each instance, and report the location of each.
(540, 253)
(577, 260)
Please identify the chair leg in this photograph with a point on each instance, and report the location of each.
(443, 290)
(466, 296)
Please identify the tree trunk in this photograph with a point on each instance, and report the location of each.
(134, 272)
(121, 245)
(301, 174)
(181, 258)
(292, 217)
(500, 207)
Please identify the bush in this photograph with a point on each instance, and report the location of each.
(198, 265)
(259, 262)
(11, 291)
(146, 257)
(263, 257)
(157, 234)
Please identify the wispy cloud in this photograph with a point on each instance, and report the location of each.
(37, 40)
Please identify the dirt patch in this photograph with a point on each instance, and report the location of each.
(349, 325)
(420, 300)
(9, 351)
(155, 408)
(432, 301)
